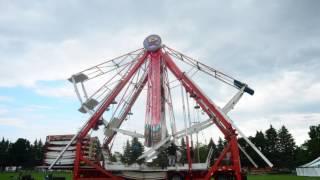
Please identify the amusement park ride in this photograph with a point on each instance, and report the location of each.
(120, 81)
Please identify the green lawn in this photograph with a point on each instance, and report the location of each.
(68, 175)
(35, 175)
(280, 177)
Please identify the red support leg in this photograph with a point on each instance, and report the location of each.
(235, 156)
(97, 172)
(76, 167)
(214, 168)
(99, 168)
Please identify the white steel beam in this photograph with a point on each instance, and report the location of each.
(157, 146)
(247, 155)
(230, 105)
(128, 133)
(235, 99)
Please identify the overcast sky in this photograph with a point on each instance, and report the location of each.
(273, 45)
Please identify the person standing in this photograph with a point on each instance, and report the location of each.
(172, 152)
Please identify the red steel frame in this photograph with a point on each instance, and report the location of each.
(211, 110)
(99, 172)
(155, 104)
(94, 120)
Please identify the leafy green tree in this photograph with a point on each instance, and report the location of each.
(313, 144)
(21, 153)
(300, 156)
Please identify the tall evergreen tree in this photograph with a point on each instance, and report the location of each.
(260, 141)
(313, 144)
(203, 152)
(272, 142)
(244, 160)
(137, 150)
(286, 148)
(214, 152)
(220, 146)
(183, 151)
(300, 155)
(126, 153)
(4, 153)
(113, 158)
(37, 152)
(9, 157)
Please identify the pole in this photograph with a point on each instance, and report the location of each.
(198, 153)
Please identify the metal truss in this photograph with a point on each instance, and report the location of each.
(127, 76)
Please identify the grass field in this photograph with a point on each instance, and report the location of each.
(40, 176)
(35, 175)
(280, 177)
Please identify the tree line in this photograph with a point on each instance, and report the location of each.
(278, 145)
(280, 148)
(21, 153)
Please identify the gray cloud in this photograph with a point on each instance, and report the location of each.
(272, 45)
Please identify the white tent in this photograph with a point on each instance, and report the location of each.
(310, 169)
